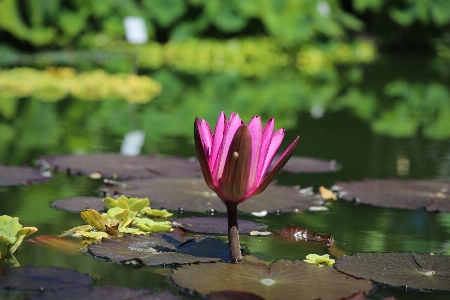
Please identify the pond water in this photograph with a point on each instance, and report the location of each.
(67, 127)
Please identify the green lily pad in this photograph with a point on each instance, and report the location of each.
(409, 270)
(192, 194)
(111, 165)
(29, 278)
(284, 279)
(215, 225)
(110, 293)
(160, 249)
(409, 194)
(78, 204)
(12, 175)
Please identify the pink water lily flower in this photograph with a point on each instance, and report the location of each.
(235, 159)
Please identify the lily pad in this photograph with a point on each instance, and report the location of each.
(299, 164)
(160, 249)
(215, 225)
(284, 279)
(29, 278)
(410, 194)
(78, 204)
(12, 175)
(115, 165)
(410, 270)
(111, 293)
(194, 195)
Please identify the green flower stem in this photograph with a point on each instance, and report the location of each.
(233, 233)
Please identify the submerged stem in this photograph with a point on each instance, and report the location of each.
(233, 233)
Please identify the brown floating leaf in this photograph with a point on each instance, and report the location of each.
(29, 278)
(411, 270)
(296, 233)
(411, 194)
(326, 194)
(11, 175)
(160, 249)
(78, 204)
(193, 194)
(215, 225)
(298, 164)
(231, 295)
(284, 279)
(115, 165)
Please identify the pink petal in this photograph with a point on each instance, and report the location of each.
(202, 155)
(206, 137)
(276, 169)
(275, 143)
(265, 143)
(231, 127)
(255, 128)
(217, 140)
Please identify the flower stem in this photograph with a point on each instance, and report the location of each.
(233, 233)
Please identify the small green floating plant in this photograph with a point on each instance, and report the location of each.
(124, 216)
(12, 234)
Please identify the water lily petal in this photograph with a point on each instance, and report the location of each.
(275, 143)
(206, 137)
(255, 128)
(217, 140)
(265, 144)
(202, 156)
(276, 169)
(237, 167)
(230, 130)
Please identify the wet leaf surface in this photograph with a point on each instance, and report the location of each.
(12, 175)
(110, 293)
(410, 194)
(29, 278)
(299, 164)
(160, 249)
(78, 204)
(411, 270)
(115, 165)
(284, 279)
(231, 295)
(192, 194)
(215, 225)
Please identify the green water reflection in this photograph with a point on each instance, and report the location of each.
(410, 116)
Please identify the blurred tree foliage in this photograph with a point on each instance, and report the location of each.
(76, 23)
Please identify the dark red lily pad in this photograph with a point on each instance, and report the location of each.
(160, 249)
(299, 164)
(29, 278)
(284, 279)
(296, 233)
(110, 165)
(215, 225)
(13, 175)
(110, 293)
(192, 194)
(231, 295)
(409, 194)
(78, 204)
(411, 270)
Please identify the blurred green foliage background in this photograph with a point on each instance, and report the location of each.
(386, 62)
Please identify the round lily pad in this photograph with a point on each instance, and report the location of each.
(13, 175)
(299, 164)
(160, 249)
(111, 293)
(215, 225)
(412, 270)
(410, 194)
(115, 165)
(29, 278)
(193, 194)
(284, 279)
(78, 204)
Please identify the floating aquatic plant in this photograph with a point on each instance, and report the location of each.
(321, 260)
(234, 161)
(12, 234)
(138, 205)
